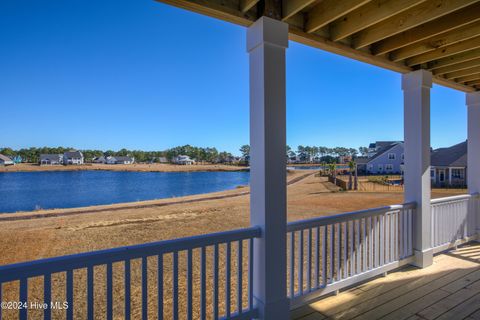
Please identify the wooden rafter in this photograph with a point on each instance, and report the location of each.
(427, 30)
(424, 12)
(457, 58)
(373, 12)
(442, 40)
(444, 52)
(473, 83)
(328, 11)
(246, 5)
(472, 77)
(292, 7)
(462, 73)
(457, 67)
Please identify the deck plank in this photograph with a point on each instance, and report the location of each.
(463, 310)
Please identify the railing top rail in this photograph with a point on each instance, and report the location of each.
(454, 198)
(40, 267)
(322, 221)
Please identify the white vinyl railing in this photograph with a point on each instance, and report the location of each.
(329, 253)
(453, 220)
(214, 267)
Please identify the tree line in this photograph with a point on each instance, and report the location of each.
(205, 154)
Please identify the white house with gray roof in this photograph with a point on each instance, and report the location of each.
(5, 161)
(51, 159)
(73, 158)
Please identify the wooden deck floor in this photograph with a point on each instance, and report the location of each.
(449, 289)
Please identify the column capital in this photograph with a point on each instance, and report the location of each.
(415, 79)
(267, 30)
(473, 99)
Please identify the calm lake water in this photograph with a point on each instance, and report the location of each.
(25, 191)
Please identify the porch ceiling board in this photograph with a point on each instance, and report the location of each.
(400, 35)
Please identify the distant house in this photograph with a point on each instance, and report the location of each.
(183, 160)
(387, 160)
(51, 159)
(377, 146)
(5, 161)
(120, 160)
(449, 166)
(361, 164)
(162, 160)
(72, 158)
(100, 159)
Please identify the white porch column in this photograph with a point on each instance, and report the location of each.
(473, 146)
(267, 40)
(416, 88)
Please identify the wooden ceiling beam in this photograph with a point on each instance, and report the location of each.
(451, 60)
(424, 12)
(328, 11)
(457, 48)
(462, 73)
(473, 83)
(246, 5)
(367, 15)
(442, 40)
(427, 30)
(469, 78)
(292, 7)
(457, 67)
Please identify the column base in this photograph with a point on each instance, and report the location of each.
(424, 258)
(276, 310)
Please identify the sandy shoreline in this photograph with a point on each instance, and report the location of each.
(137, 167)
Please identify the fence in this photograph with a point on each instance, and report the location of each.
(219, 250)
(453, 220)
(329, 253)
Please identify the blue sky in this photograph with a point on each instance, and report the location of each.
(143, 75)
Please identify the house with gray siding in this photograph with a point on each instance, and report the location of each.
(388, 159)
(449, 166)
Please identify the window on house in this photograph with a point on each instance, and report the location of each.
(380, 167)
(403, 156)
(370, 167)
(389, 167)
(391, 156)
(457, 173)
(432, 173)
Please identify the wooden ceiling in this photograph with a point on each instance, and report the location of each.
(442, 36)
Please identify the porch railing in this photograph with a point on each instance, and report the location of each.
(329, 253)
(453, 220)
(183, 274)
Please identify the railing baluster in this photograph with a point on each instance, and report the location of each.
(292, 264)
(23, 298)
(300, 263)
(109, 292)
(370, 243)
(317, 257)
(1, 300)
(338, 242)
(90, 295)
(324, 256)
(127, 289)
(240, 276)
(144, 288)
(309, 260)
(189, 285)
(160, 286)
(203, 283)
(364, 244)
(345, 250)
(227, 280)
(357, 245)
(332, 253)
(175, 285)
(250, 275)
(47, 296)
(69, 290)
(382, 240)
(351, 258)
(215, 281)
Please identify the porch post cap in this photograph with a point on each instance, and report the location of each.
(416, 79)
(473, 99)
(267, 30)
